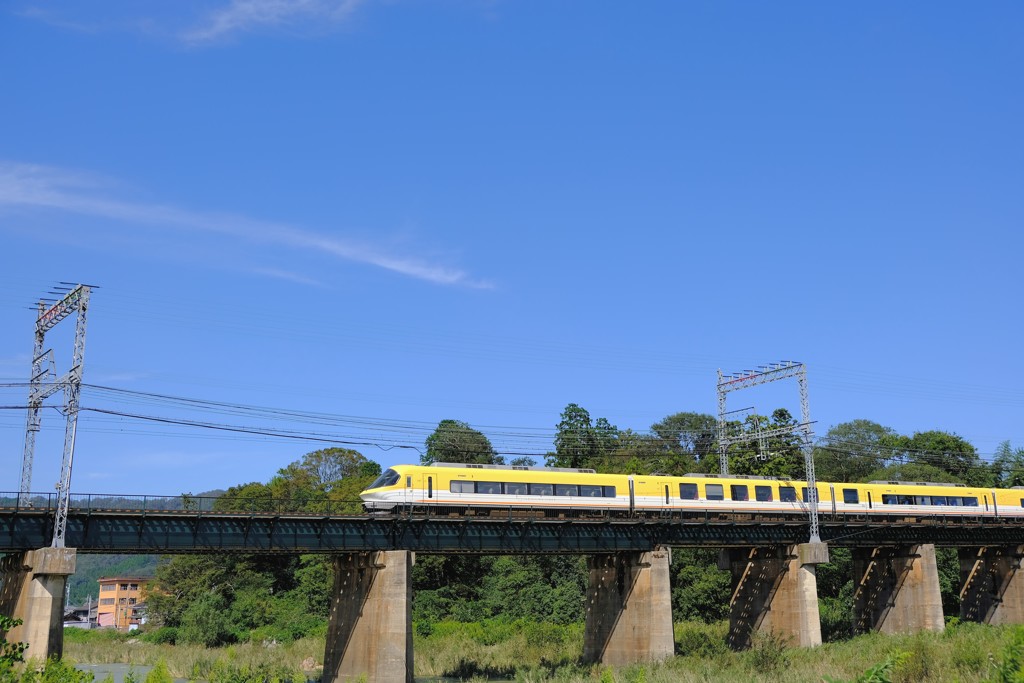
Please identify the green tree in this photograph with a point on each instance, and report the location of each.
(251, 497)
(849, 451)
(205, 622)
(455, 441)
(912, 472)
(10, 652)
(948, 452)
(581, 442)
(1008, 466)
(690, 436)
(701, 591)
(776, 456)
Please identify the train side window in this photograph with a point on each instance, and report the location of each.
(542, 489)
(1022, 502)
(567, 490)
(763, 493)
(851, 496)
(591, 491)
(739, 492)
(515, 488)
(938, 500)
(787, 494)
(970, 501)
(714, 492)
(687, 492)
(488, 487)
(922, 500)
(462, 487)
(953, 500)
(905, 500)
(889, 499)
(609, 492)
(408, 482)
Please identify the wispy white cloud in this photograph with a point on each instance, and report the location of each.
(34, 186)
(245, 15)
(287, 275)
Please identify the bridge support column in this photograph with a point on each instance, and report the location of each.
(992, 585)
(775, 590)
(33, 591)
(896, 590)
(369, 635)
(629, 609)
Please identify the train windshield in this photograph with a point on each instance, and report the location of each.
(389, 478)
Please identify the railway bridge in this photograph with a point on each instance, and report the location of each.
(628, 616)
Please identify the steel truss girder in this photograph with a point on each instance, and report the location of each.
(173, 533)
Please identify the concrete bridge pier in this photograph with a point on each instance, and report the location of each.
(32, 590)
(775, 590)
(896, 589)
(369, 635)
(629, 609)
(992, 585)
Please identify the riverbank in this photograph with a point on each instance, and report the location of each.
(965, 653)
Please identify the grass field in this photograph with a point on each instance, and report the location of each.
(965, 653)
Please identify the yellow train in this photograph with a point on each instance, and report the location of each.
(461, 488)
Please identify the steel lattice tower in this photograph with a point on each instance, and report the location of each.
(752, 378)
(43, 385)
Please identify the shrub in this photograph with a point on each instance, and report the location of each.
(159, 673)
(165, 635)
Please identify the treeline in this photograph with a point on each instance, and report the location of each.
(214, 600)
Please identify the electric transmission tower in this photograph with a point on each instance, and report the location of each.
(43, 384)
(772, 372)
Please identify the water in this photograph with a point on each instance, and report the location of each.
(119, 671)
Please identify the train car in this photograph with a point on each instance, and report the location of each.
(484, 488)
(469, 486)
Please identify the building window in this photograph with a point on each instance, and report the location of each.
(133, 587)
(124, 586)
(107, 601)
(108, 587)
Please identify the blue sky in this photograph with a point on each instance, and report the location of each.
(393, 213)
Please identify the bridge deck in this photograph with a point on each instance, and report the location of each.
(139, 531)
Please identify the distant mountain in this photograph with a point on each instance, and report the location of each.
(91, 567)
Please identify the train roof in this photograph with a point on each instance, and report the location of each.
(476, 466)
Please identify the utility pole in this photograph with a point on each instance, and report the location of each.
(42, 385)
(764, 374)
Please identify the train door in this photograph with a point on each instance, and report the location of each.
(995, 504)
(426, 490)
(832, 490)
(632, 496)
(407, 493)
(869, 500)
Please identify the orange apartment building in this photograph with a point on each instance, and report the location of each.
(120, 604)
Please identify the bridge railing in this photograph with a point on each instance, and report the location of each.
(320, 506)
(184, 503)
